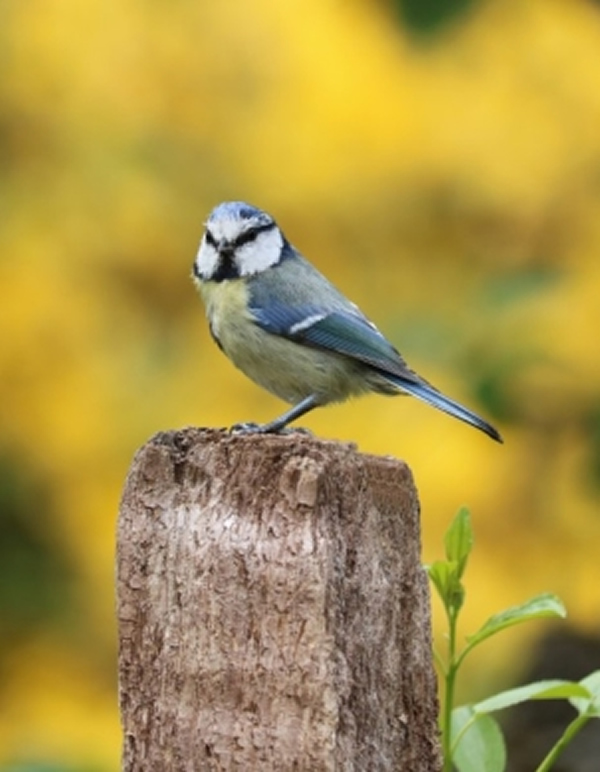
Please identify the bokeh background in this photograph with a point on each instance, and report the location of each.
(440, 161)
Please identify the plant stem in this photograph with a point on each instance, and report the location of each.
(572, 729)
(450, 678)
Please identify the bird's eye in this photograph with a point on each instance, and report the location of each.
(249, 235)
(246, 237)
(210, 239)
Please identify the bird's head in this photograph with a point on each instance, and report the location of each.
(239, 240)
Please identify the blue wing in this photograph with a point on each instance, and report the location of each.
(341, 331)
(351, 334)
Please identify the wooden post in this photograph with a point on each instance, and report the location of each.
(273, 612)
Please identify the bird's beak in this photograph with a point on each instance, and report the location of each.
(225, 248)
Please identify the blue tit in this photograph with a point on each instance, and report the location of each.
(285, 326)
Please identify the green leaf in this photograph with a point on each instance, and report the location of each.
(544, 605)
(590, 706)
(459, 540)
(440, 574)
(539, 690)
(444, 576)
(477, 741)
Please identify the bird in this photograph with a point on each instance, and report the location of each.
(290, 330)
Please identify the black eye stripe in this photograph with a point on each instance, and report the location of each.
(244, 238)
(252, 233)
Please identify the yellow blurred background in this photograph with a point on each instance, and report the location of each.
(443, 172)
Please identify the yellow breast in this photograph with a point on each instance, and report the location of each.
(287, 369)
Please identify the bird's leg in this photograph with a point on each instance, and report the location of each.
(280, 423)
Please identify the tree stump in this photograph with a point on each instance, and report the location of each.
(273, 611)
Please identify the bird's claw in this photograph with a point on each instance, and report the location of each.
(249, 427)
(246, 427)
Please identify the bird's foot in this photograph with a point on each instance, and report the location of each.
(249, 427)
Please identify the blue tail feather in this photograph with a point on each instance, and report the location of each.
(435, 398)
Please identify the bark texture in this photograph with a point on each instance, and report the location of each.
(273, 612)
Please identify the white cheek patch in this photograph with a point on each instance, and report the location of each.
(260, 254)
(207, 260)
